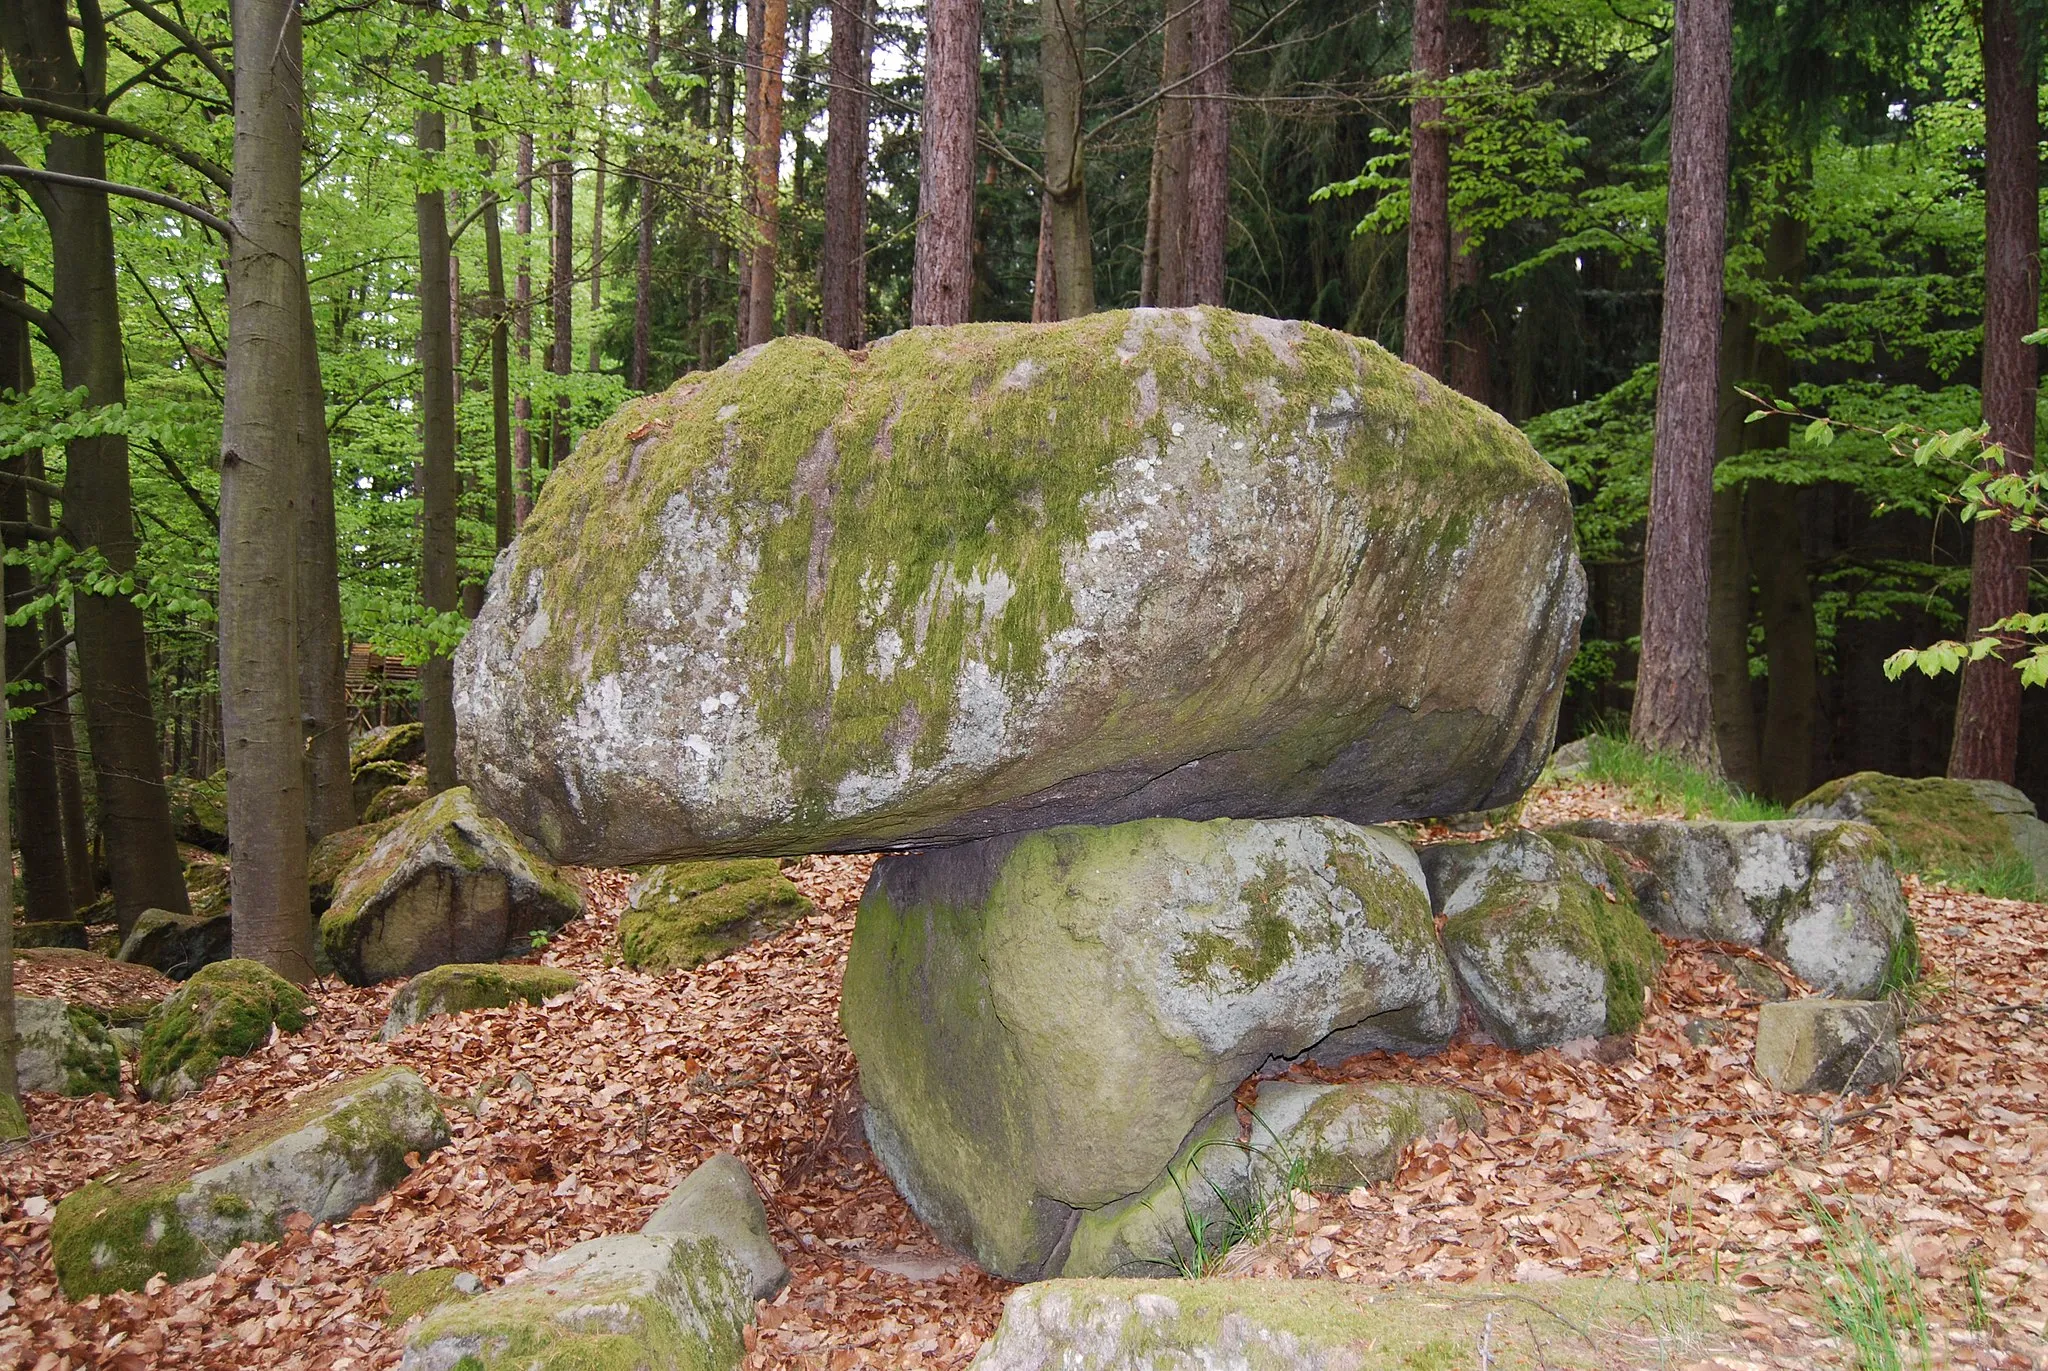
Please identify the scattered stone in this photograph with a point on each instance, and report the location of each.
(1227, 1179)
(1835, 1047)
(995, 579)
(225, 1010)
(684, 914)
(447, 884)
(455, 988)
(1940, 825)
(1752, 977)
(1819, 895)
(1545, 936)
(373, 778)
(324, 1155)
(50, 933)
(63, 1049)
(331, 858)
(676, 1298)
(1700, 1031)
(1570, 761)
(199, 809)
(178, 945)
(402, 743)
(394, 801)
(1040, 1021)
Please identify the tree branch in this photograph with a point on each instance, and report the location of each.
(177, 473)
(106, 123)
(35, 483)
(151, 197)
(53, 332)
(189, 41)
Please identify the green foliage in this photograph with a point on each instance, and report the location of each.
(1657, 782)
(1869, 1295)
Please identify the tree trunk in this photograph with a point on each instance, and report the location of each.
(63, 723)
(942, 274)
(1468, 360)
(1987, 735)
(764, 171)
(13, 1124)
(1729, 604)
(1045, 286)
(843, 281)
(1785, 601)
(522, 330)
(1429, 192)
(1209, 155)
(1164, 276)
(437, 435)
(562, 270)
(595, 362)
(504, 506)
(1673, 706)
(710, 336)
(643, 256)
(322, 651)
(262, 484)
(1061, 44)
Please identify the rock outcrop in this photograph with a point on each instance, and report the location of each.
(684, 914)
(226, 1010)
(1938, 825)
(324, 1155)
(179, 945)
(1042, 1021)
(402, 743)
(457, 987)
(63, 1049)
(448, 883)
(1001, 577)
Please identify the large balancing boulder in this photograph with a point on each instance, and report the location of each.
(226, 1010)
(1940, 825)
(1002, 577)
(1041, 1021)
(340, 1147)
(684, 914)
(448, 883)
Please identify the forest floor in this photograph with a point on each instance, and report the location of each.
(1652, 1157)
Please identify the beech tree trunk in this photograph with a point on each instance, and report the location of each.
(262, 486)
(63, 724)
(1987, 733)
(1429, 193)
(1673, 710)
(504, 504)
(1209, 155)
(1062, 42)
(322, 649)
(643, 256)
(562, 269)
(12, 1122)
(764, 171)
(522, 330)
(843, 280)
(437, 441)
(1163, 279)
(942, 273)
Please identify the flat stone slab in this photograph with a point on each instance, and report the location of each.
(1834, 1047)
(1002, 577)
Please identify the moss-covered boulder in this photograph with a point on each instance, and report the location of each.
(331, 858)
(1041, 1021)
(50, 933)
(448, 883)
(401, 743)
(394, 801)
(323, 1155)
(373, 778)
(1000, 577)
(199, 809)
(687, 913)
(455, 988)
(1545, 935)
(208, 884)
(64, 1049)
(1820, 895)
(225, 1010)
(179, 945)
(1940, 826)
(1229, 1179)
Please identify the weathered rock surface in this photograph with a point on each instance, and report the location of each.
(324, 1155)
(50, 933)
(457, 987)
(1041, 1021)
(403, 743)
(1545, 935)
(1940, 825)
(446, 884)
(1752, 977)
(394, 801)
(199, 810)
(676, 1296)
(1002, 577)
(178, 945)
(1223, 1182)
(225, 1010)
(63, 1049)
(1811, 1047)
(334, 855)
(371, 779)
(1820, 896)
(684, 914)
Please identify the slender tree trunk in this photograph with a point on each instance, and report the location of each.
(643, 258)
(262, 483)
(1061, 44)
(710, 340)
(942, 273)
(1987, 733)
(13, 1123)
(504, 505)
(843, 284)
(78, 859)
(562, 273)
(750, 138)
(595, 360)
(1468, 360)
(1045, 287)
(1730, 605)
(1167, 214)
(1673, 705)
(764, 181)
(1785, 600)
(1429, 193)
(437, 433)
(322, 649)
(522, 327)
(1209, 155)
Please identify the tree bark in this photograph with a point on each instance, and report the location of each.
(562, 268)
(596, 358)
(1429, 192)
(942, 273)
(1209, 155)
(1785, 601)
(1987, 733)
(262, 485)
(1468, 359)
(1730, 605)
(1061, 44)
(437, 434)
(1673, 706)
(322, 649)
(11, 1123)
(843, 286)
(1163, 278)
(504, 504)
(643, 256)
(78, 858)
(522, 329)
(710, 334)
(764, 171)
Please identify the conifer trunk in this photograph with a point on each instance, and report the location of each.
(1164, 278)
(1429, 203)
(942, 274)
(1208, 186)
(643, 256)
(764, 170)
(843, 281)
(1061, 44)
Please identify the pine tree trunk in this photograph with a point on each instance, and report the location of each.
(764, 178)
(522, 331)
(1429, 194)
(437, 434)
(843, 281)
(643, 256)
(596, 358)
(262, 484)
(1987, 734)
(1167, 213)
(1061, 44)
(322, 651)
(1468, 359)
(711, 340)
(1209, 155)
(942, 274)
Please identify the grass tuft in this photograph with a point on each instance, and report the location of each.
(1869, 1296)
(2010, 879)
(1656, 781)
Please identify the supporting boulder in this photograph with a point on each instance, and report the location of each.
(457, 987)
(684, 914)
(179, 945)
(371, 779)
(226, 1010)
(323, 1155)
(63, 1049)
(1836, 1047)
(1041, 1021)
(447, 884)
(402, 743)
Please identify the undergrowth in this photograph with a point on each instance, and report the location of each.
(2011, 879)
(1869, 1296)
(1654, 780)
(1272, 1175)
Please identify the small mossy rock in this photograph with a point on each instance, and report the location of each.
(1041, 1020)
(1939, 825)
(684, 914)
(401, 743)
(718, 1201)
(1545, 935)
(1317, 1137)
(331, 857)
(208, 886)
(179, 945)
(324, 1155)
(1570, 761)
(1752, 977)
(13, 1120)
(1578, 1324)
(373, 778)
(409, 1294)
(1001, 577)
(64, 1049)
(394, 801)
(225, 1010)
(1835, 1047)
(50, 933)
(447, 884)
(199, 810)
(457, 987)
(1820, 895)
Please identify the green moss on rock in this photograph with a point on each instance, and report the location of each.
(331, 858)
(684, 914)
(226, 1010)
(1935, 824)
(199, 809)
(401, 743)
(372, 779)
(409, 1294)
(395, 801)
(455, 988)
(13, 1120)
